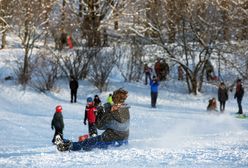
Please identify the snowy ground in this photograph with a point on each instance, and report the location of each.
(179, 133)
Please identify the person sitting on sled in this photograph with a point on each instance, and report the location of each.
(115, 123)
(212, 105)
(90, 115)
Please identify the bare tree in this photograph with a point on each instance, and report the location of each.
(194, 36)
(76, 62)
(28, 25)
(101, 67)
(5, 17)
(45, 71)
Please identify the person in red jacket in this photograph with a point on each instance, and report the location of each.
(90, 115)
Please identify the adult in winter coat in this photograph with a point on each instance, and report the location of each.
(180, 72)
(115, 123)
(90, 116)
(222, 96)
(157, 68)
(147, 71)
(154, 91)
(239, 95)
(74, 88)
(57, 123)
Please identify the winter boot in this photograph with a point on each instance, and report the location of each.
(64, 146)
(58, 140)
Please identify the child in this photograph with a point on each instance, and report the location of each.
(57, 122)
(212, 105)
(90, 115)
(109, 99)
(97, 101)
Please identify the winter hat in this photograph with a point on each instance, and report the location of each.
(119, 96)
(89, 99)
(58, 109)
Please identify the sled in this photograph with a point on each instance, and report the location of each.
(241, 116)
(83, 137)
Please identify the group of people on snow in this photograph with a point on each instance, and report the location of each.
(161, 69)
(112, 117)
(223, 97)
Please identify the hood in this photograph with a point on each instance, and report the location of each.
(122, 114)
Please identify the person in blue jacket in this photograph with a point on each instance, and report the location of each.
(154, 91)
(115, 123)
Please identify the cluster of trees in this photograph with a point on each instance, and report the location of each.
(190, 32)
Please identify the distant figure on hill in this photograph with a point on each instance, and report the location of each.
(222, 96)
(212, 105)
(157, 68)
(180, 72)
(239, 95)
(164, 70)
(57, 123)
(154, 91)
(74, 88)
(147, 71)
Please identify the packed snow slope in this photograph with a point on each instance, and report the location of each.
(178, 133)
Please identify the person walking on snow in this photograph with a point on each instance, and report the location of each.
(154, 91)
(114, 122)
(74, 88)
(147, 71)
(239, 95)
(90, 115)
(57, 123)
(222, 96)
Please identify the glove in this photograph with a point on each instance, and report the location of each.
(52, 127)
(84, 122)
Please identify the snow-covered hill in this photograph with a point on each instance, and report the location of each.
(178, 133)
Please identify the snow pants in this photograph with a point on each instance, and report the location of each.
(239, 101)
(96, 142)
(92, 129)
(73, 96)
(154, 96)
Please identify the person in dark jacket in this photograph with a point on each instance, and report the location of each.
(97, 101)
(115, 123)
(239, 95)
(90, 116)
(222, 96)
(57, 122)
(154, 91)
(74, 88)
(147, 71)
